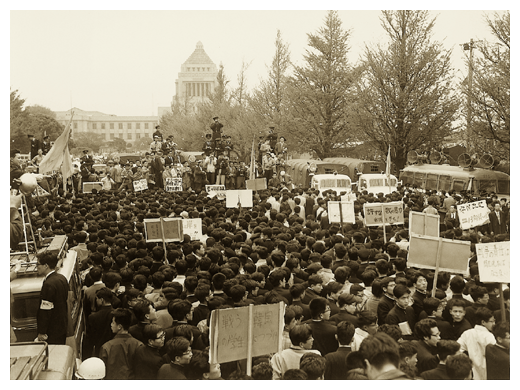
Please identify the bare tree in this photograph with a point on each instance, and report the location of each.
(405, 95)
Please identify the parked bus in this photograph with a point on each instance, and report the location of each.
(450, 178)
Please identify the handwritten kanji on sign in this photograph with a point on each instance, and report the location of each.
(493, 261)
(171, 227)
(473, 214)
(172, 184)
(89, 186)
(193, 228)
(216, 190)
(377, 214)
(140, 185)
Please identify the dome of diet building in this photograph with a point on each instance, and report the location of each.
(199, 56)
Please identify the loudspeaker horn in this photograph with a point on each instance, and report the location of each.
(464, 160)
(435, 157)
(487, 161)
(412, 157)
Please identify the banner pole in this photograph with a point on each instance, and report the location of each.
(437, 262)
(384, 224)
(250, 341)
(163, 239)
(502, 303)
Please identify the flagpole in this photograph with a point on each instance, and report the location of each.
(388, 165)
(252, 167)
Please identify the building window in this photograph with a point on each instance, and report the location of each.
(138, 126)
(111, 126)
(102, 126)
(198, 69)
(121, 136)
(94, 126)
(137, 136)
(120, 125)
(112, 136)
(75, 125)
(129, 136)
(146, 126)
(129, 126)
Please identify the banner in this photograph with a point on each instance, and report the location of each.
(494, 262)
(349, 197)
(234, 197)
(172, 184)
(39, 191)
(347, 212)
(140, 185)
(256, 184)
(424, 224)
(377, 214)
(89, 186)
(473, 214)
(169, 228)
(217, 190)
(453, 255)
(193, 228)
(232, 330)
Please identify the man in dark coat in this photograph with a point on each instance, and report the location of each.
(497, 220)
(35, 145)
(445, 348)
(98, 323)
(323, 331)
(52, 315)
(216, 128)
(497, 355)
(335, 368)
(427, 335)
(46, 145)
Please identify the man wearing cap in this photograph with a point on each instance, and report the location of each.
(347, 310)
(216, 128)
(272, 137)
(16, 167)
(46, 145)
(35, 145)
(157, 133)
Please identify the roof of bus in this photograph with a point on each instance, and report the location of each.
(28, 284)
(330, 176)
(478, 173)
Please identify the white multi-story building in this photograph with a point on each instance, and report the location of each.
(129, 128)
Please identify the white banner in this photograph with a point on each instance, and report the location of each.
(193, 228)
(172, 184)
(473, 214)
(493, 262)
(347, 212)
(140, 185)
(377, 214)
(217, 190)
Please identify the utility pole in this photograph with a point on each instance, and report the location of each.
(469, 142)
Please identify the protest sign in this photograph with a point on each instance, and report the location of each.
(256, 184)
(473, 214)
(245, 332)
(377, 214)
(493, 262)
(234, 197)
(172, 184)
(217, 190)
(429, 252)
(90, 185)
(349, 197)
(347, 212)
(163, 229)
(140, 185)
(424, 224)
(193, 228)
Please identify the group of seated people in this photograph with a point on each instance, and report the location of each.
(354, 308)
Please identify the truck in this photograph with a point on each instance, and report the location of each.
(39, 361)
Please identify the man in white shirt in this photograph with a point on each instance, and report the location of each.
(475, 341)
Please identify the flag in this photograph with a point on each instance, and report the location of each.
(252, 166)
(387, 172)
(59, 155)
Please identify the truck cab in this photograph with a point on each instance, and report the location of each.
(335, 182)
(377, 183)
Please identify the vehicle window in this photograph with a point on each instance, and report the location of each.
(333, 183)
(24, 308)
(393, 182)
(459, 185)
(503, 187)
(444, 183)
(363, 183)
(431, 181)
(418, 179)
(342, 183)
(487, 186)
(407, 177)
(329, 170)
(376, 182)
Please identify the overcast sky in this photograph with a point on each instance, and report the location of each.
(126, 62)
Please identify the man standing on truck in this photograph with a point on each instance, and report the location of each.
(52, 317)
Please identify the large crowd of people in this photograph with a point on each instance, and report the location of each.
(354, 308)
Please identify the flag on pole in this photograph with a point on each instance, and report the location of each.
(387, 172)
(252, 166)
(59, 155)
